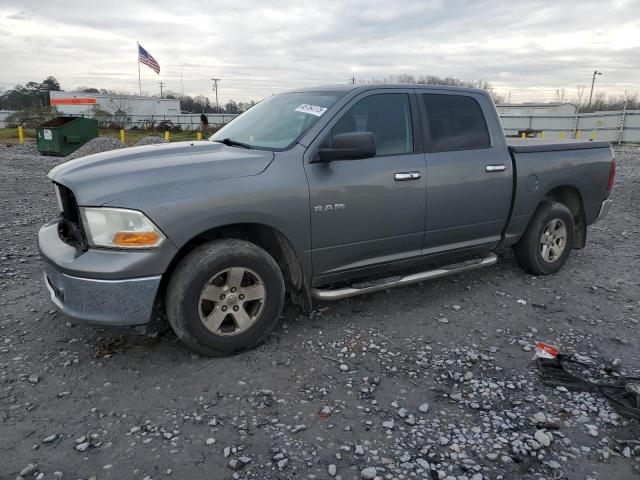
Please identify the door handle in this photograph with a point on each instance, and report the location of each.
(495, 168)
(404, 176)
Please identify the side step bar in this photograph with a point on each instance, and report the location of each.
(390, 282)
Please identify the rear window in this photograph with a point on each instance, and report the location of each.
(456, 122)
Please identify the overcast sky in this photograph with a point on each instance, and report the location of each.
(261, 47)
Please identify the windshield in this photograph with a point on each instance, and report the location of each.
(277, 122)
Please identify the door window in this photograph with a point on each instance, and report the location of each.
(456, 122)
(387, 116)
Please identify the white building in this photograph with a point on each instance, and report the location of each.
(73, 103)
(132, 111)
(4, 114)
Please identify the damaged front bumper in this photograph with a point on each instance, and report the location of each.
(107, 287)
(108, 302)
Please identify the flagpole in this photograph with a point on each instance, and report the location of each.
(138, 57)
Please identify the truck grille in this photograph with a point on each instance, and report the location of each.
(69, 225)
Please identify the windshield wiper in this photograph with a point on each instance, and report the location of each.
(233, 143)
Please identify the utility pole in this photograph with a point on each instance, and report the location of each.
(161, 86)
(593, 80)
(353, 79)
(215, 89)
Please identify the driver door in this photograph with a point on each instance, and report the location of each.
(369, 211)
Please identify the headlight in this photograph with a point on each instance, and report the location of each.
(119, 228)
(56, 190)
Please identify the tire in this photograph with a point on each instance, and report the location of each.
(211, 315)
(530, 251)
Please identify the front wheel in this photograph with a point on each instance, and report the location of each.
(546, 244)
(225, 296)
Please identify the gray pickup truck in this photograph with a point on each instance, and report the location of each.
(321, 193)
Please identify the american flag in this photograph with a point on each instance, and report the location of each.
(146, 58)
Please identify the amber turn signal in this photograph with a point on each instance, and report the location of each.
(135, 239)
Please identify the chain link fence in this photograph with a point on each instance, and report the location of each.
(616, 127)
(178, 122)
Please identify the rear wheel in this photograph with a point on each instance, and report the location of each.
(546, 244)
(225, 296)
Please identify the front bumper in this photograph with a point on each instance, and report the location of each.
(107, 302)
(102, 286)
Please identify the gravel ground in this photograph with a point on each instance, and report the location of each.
(429, 381)
(96, 145)
(151, 140)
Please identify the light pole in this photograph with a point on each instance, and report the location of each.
(593, 81)
(215, 89)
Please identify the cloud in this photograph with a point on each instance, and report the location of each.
(260, 48)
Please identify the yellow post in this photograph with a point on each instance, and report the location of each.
(198, 135)
(561, 135)
(578, 134)
(524, 135)
(593, 134)
(166, 135)
(122, 135)
(542, 134)
(20, 134)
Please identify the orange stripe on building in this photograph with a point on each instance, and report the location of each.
(73, 101)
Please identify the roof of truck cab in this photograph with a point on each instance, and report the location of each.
(347, 87)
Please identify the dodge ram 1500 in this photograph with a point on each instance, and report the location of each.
(322, 193)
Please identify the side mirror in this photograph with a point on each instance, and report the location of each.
(349, 146)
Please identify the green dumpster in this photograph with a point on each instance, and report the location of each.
(64, 135)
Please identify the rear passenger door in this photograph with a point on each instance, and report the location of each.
(469, 171)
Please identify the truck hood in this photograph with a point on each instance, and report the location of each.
(95, 179)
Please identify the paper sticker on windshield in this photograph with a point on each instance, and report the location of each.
(311, 109)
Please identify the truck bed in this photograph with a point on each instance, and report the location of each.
(529, 145)
(542, 165)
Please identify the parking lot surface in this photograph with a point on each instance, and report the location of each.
(433, 380)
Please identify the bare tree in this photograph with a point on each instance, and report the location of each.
(120, 108)
(435, 80)
(561, 95)
(580, 92)
(599, 102)
(603, 102)
(406, 78)
(102, 116)
(631, 100)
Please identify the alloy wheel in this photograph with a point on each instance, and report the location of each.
(232, 301)
(553, 240)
